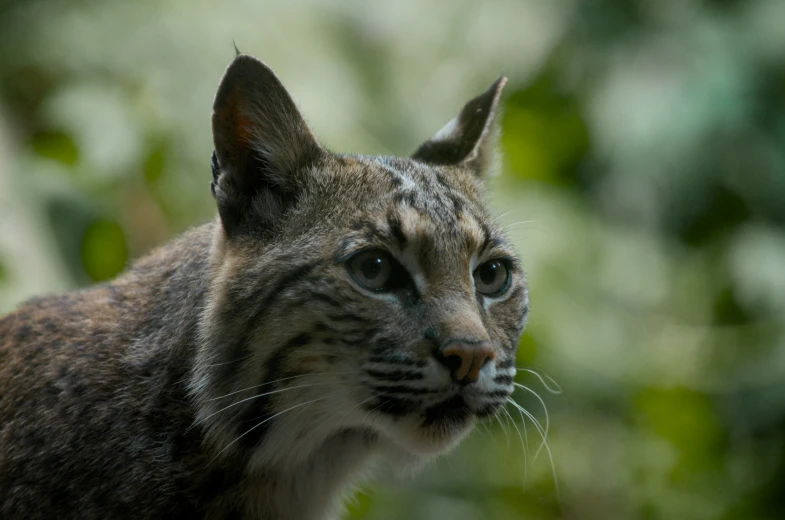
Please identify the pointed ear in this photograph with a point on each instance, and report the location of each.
(469, 139)
(262, 144)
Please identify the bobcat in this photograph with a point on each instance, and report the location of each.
(339, 309)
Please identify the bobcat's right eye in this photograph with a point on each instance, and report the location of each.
(376, 270)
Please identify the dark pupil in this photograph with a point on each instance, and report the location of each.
(371, 268)
(488, 273)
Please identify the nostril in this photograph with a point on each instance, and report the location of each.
(465, 360)
(451, 361)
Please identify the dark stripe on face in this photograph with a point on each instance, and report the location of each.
(491, 238)
(364, 234)
(347, 317)
(326, 298)
(503, 380)
(364, 225)
(402, 389)
(262, 408)
(385, 350)
(396, 359)
(507, 363)
(397, 231)
(394, 375)
(450, 193)
(491, 241)
(498, 393)
(284, 282)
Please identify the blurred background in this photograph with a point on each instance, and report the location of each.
(643, 182)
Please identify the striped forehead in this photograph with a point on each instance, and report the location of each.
(431, 231)
(424, 189)
(423, 212)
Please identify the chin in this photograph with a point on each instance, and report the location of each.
(435, 431)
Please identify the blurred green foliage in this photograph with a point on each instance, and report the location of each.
(104, 251)
(643, 182)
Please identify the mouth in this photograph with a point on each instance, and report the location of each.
(455, 407)
(435, 427)
(456, 411)
(452, 411)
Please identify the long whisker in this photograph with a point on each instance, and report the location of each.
(520, 438)
(513, 225)
(230, 362)
(264, 394)
(263, 422)
(267, 383)
(545, 444)
(498, 419)
(485, 430)
(327, 396)
(375, 408)
(555, 389)
(525, 431)
(324, 423)
(500, 216)
(542, 402)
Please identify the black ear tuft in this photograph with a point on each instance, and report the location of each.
(261, 145)
(469, 139)
(216, 172)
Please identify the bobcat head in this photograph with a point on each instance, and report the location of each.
(351, 293)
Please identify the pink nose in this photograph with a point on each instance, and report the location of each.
(466, 359)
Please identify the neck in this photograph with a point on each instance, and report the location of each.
(309, 489)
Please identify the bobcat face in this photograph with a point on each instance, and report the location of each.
(351, 293)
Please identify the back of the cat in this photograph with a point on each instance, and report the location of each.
(93, 395)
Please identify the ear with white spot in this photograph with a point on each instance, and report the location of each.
(261, 144)
(470, 139)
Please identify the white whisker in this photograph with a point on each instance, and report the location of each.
(268, 383)
(542, 402)
(498, 419)
(318, 429)
(556, 389)
(500, 216)
(230, 362)
(544, 443)
(520, 438)
(263, 422)
(513, 225)
(264, 394)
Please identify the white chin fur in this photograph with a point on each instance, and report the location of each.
(423, 443)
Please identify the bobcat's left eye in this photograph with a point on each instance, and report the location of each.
(492, 278)
(376, 270)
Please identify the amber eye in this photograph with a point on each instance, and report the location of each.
(492, 278)
(376, 270)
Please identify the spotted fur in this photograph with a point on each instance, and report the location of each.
(241, 371)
